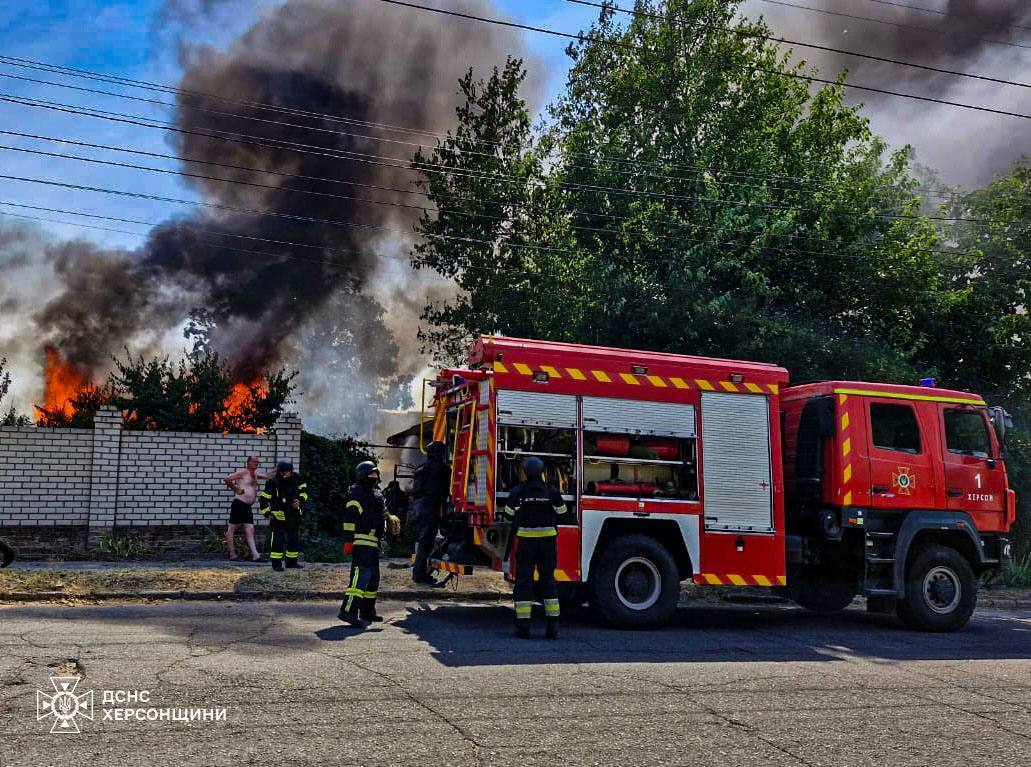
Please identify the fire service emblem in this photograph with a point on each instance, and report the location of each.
(64, 705)
(904, 480)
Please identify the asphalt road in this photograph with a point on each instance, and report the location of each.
(445, 684)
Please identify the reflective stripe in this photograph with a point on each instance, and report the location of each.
(370, 594)
(303, 495)
(372, 544)
(263, 494)
(972, 400)
(366, 537)
(280, 515)
(537, 532)
(551, 608)
(302, 486)
(560, 510)
(352, 592)
(356, 504)
(523, 609)
(276, 555)
(349, 527)
(292, 554)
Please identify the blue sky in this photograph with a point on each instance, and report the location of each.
(131, 39)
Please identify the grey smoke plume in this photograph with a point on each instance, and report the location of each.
(309, 306)
(988, 37)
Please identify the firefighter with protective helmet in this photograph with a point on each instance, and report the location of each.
(535, 507)
(431, 489)
(282, 502)
(365, 521)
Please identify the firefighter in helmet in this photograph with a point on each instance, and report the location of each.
(535, 507)
(282, 502)
(365, 522)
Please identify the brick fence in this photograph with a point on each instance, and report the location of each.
(64, 490)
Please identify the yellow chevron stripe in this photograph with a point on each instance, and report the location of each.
(762, 580)
(894, 395)
(630, 378)
(552, 372)
(842, 399)
(601, 375)
(737, 580)
(844, 421)
(656, 381)
(728, 386)
(704, 385)
(562, 575)
(679, 383)
(500, 368)
(712, 580)
(847, 500)
(846, 446)
(782, 580)
(524, 369)
(576, 374)
(846, 475)
(754, 388)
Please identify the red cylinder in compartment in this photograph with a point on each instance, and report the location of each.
(621, 488)
(612, 445)
(665, 449)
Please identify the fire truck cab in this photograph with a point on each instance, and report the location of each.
(689, 468)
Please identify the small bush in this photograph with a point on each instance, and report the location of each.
(1017, 574)
(123, 547)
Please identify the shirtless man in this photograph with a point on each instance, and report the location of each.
(244, 484)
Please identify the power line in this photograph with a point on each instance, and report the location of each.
(932, 30)
(71, 72)
(754, 67)
(771, 38)
(948, 14)
(429, 168)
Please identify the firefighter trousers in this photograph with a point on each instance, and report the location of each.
(360, 596)
(535, 554)
(284, 539)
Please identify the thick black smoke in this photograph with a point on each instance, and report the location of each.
(331, 68)
(987, 37)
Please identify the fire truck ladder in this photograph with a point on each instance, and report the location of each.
(879, 572)
(470, 443)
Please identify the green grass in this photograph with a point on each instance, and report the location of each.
(1017, 574)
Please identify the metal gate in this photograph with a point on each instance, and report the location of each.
(737, 484)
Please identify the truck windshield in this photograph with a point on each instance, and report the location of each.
(966, 433)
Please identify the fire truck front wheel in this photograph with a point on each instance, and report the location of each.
(941, 590)
(635, 583)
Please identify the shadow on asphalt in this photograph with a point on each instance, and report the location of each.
(466, 636)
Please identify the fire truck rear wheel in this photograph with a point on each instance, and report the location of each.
(941, 590)
(636, 583)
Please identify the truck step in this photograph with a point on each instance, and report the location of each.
(879, 534)
(879, 592)
(880, 560)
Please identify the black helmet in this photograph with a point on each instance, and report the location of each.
(364, 469)
(533, 467)
(435, 450)
(284, 466)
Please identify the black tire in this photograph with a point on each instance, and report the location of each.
(635, 583)
(825, 592)
(941, 590)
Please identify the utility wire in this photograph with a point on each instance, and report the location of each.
(428, 168)
(772, 38)
(125, 82)
(932, 30)
(948, 14)
(754, 67)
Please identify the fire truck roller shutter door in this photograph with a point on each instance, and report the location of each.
(622, 416)
(736, 470)
(522, 408)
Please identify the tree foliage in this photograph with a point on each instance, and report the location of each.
(10, 417)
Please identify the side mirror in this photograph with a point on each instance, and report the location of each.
(1002, 422)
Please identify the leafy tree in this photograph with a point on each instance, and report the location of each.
(11, 417)
(687, 196)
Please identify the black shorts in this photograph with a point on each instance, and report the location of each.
(241, 513)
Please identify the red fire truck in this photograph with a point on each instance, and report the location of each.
(711, 470)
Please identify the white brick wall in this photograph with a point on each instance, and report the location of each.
(106, 476)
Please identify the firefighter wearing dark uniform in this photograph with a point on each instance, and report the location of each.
(281, 503)
(432, 488)
(536, 508)
(365, 521)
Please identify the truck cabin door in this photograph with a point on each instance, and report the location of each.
(901, 465)
(975, 479)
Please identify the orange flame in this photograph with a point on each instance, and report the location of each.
(62, 380)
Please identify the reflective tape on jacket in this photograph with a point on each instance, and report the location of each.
(537, 532)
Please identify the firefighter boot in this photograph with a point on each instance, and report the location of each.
(277, 565)
(351, 618)
(552, 630)
(293, 564)
(371, 617)
(522, 630)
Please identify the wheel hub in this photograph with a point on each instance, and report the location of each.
(638, 583)
(942, 590)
